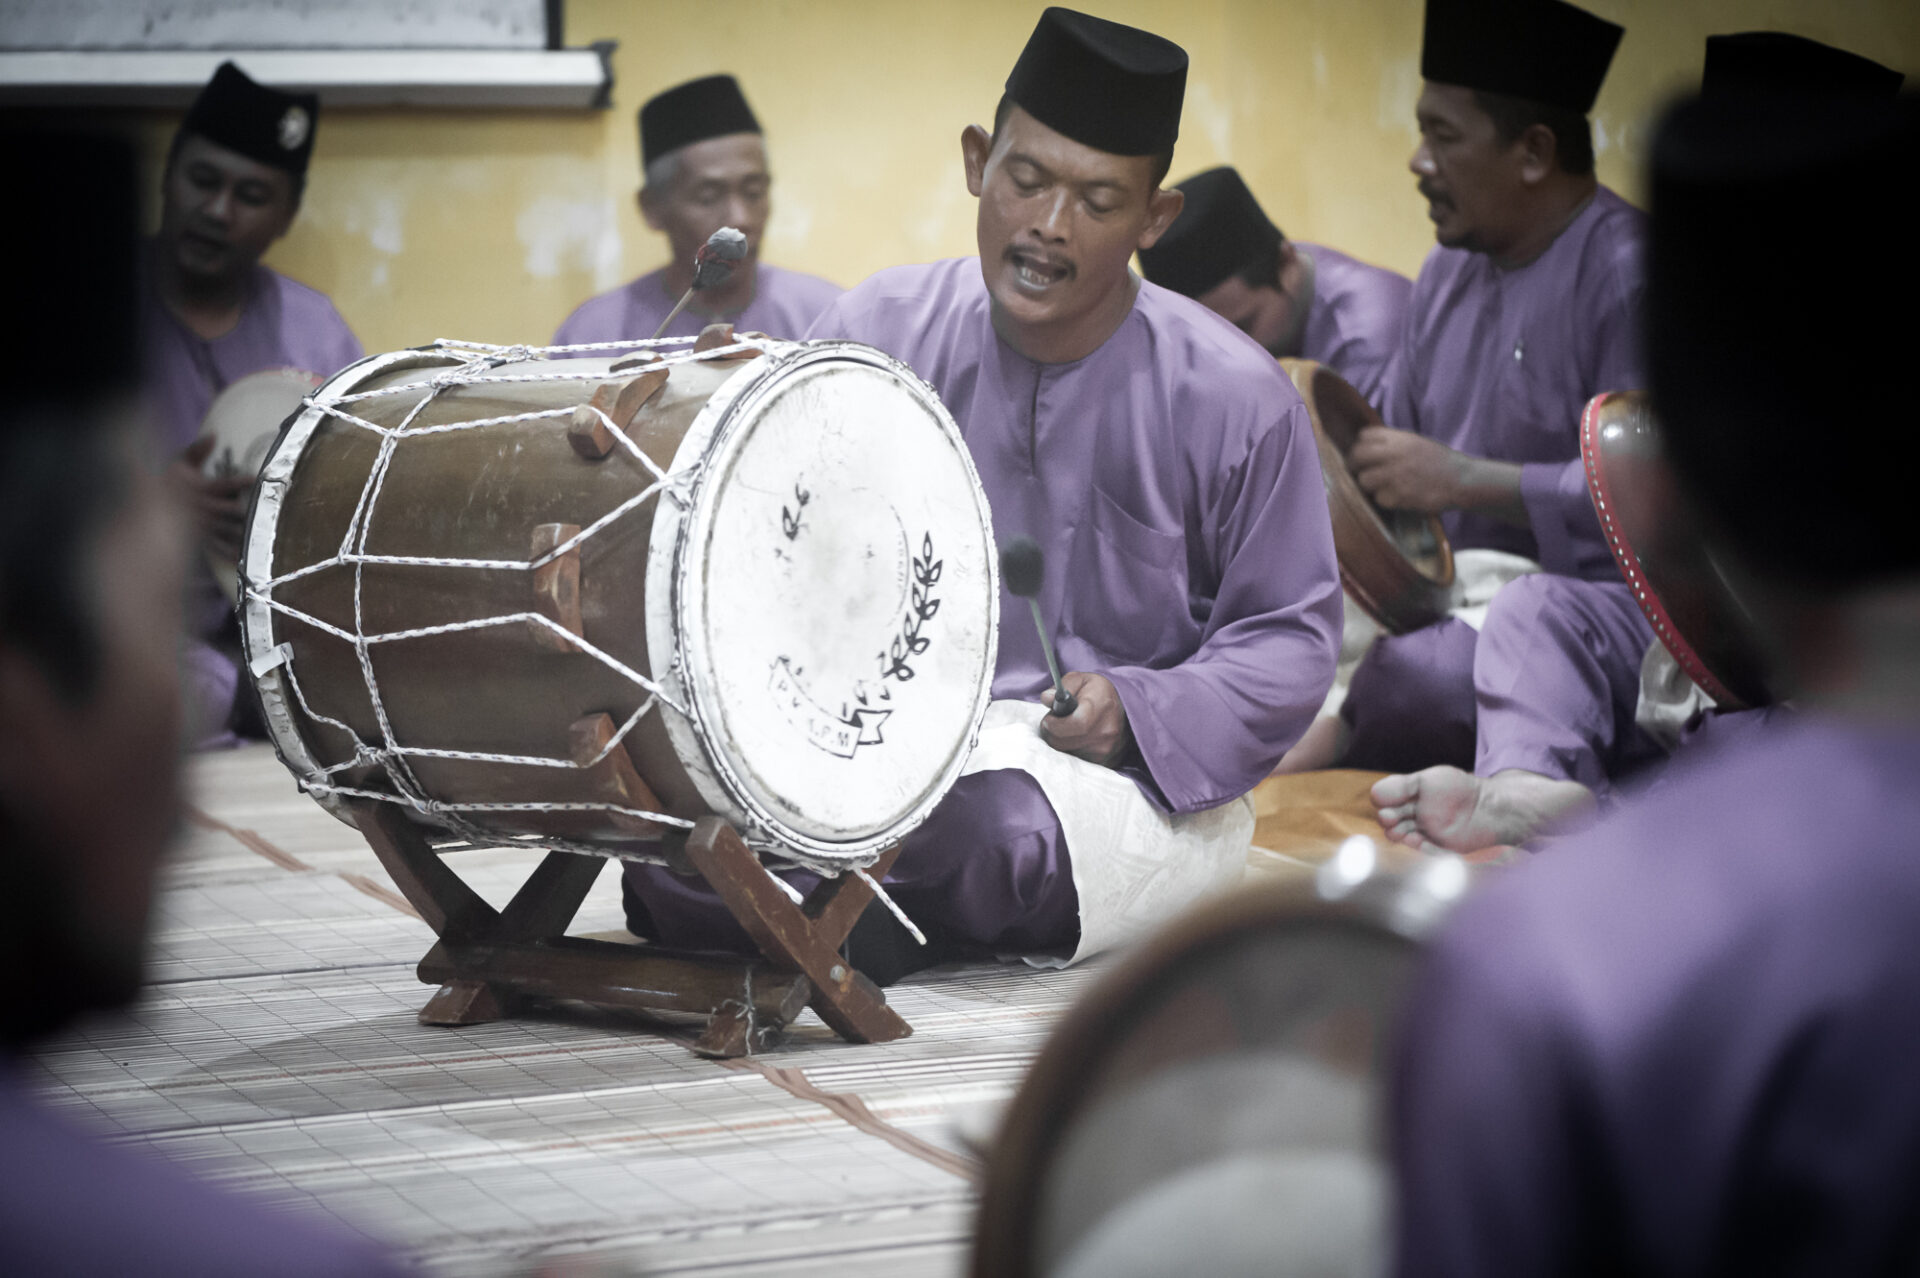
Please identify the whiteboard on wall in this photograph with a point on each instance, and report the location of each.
(72, 25)
(375, 53)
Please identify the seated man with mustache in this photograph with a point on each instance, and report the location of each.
(1167, 468)
(1507, 802)
(1527, 308)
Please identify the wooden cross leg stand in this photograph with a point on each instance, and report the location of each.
(486, 959)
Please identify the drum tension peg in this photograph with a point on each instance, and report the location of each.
(556, 587)
(718, 336)
(617, 400)
(615, 777)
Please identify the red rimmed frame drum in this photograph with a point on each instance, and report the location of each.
(1656, 540)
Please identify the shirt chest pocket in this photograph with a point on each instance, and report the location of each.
(1126, 593)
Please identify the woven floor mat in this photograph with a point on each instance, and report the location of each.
(277, 1050)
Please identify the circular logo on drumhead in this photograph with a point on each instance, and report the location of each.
(843, 641)
(863, 705)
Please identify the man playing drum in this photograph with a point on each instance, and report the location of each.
(211, 314)
(1589, 728)
(1524, 311)
(1166, 467)
(1295, 299)
(1684, 1042)
(703, 166)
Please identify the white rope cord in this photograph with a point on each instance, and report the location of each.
(892, 906)
(391, 754)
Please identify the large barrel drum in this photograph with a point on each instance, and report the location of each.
(543, 600)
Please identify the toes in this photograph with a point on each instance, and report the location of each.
(1394, 791)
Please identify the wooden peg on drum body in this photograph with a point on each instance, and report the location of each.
(616, 401)
(615, 776)
(556, 587)
(716, 337)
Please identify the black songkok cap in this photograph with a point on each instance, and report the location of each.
(1219, 231)
(263, 124)
(1116, 89)
(1809, 477)
(1541, 50)
(74, 271)
(710, 107)
(1775, 62)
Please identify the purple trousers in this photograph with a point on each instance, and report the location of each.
(1549, 684)
(986, 874)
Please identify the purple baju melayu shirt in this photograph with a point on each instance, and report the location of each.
(1500, 363)
(785, 304)
(285, 325)
(1683, 1043)
(70, 1203)
(1355, 322)
(1171, 480)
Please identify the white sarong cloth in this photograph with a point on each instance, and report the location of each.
(1134, 866)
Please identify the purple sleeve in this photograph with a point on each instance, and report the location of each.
(1211, 727)
(1480, 1125)
(834, 321)
(1565, 527)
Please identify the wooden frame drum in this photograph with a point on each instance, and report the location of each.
(1252, 1033)
(1396, 564)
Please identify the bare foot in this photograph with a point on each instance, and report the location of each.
(1323, 745)
(1445, 809)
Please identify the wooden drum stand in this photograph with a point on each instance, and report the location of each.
(487, 960)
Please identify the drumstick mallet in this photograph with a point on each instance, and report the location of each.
(1022, 566)
(712, 267)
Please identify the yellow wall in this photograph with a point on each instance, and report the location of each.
(489, 225)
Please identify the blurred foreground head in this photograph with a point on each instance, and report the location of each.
(1808, 478)
(90, 583)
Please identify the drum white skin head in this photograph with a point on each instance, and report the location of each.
(245, 418)
(834, 599)
(1214, 1102)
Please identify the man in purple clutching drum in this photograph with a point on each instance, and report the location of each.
(704, 166)
(1684, 1043)
(1301, 300)
(1525, 310)
(211, 314)
(1551, 743)
(1167, 469)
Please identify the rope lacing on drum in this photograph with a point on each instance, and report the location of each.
(391, 755)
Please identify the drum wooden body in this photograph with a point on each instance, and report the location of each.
(1658, 544)
(1396, 564)
(538, 599)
